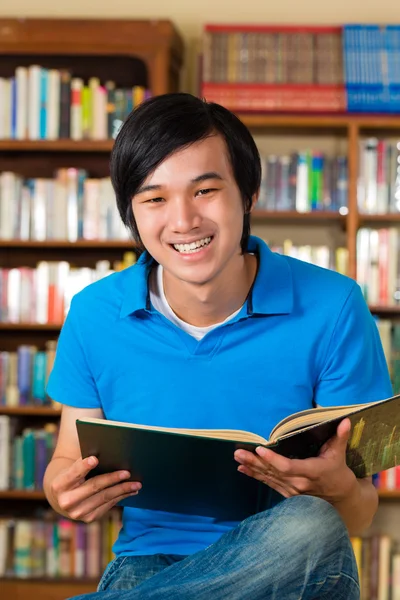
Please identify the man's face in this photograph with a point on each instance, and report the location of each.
(189, 212)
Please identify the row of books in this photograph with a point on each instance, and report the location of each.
(43, 294)
(378, 562)
(71, 206)
(372, 67)
(24, 374)
(389, 332)
(272, 55)
(47, 104)
(304, 181)
(322, 256)
(302, 68)
(24, 457)
(378, 266)
(378, 185)
(44, 547)
(388, 480)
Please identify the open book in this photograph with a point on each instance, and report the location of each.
(193, 470)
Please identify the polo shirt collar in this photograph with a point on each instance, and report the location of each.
(272, 290)
(136, 292)
(271, 293)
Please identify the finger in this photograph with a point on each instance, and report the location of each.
(90, 488)
(282, 464)
(102, 510)
(273, 483)
(73, 476)
(309, 468)
(103, 497)
(338, 443)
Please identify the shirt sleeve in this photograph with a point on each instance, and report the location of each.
(71, 381)
(355, 369)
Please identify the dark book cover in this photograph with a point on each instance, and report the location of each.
(185, 473)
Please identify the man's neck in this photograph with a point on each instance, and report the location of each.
(211, 303)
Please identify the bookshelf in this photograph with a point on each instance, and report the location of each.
(146, 53)
(150, 52)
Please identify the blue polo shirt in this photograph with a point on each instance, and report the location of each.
(303, 337)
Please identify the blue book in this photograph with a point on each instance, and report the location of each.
(13, 108)
(39, 377)
(28, 454)
(43, 104)
(24, 372)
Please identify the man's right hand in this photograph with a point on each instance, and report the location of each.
(89, 500)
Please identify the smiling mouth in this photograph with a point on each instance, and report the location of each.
(193, 246)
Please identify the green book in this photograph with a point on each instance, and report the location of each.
(193, 471)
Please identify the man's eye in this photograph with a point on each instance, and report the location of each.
(154, 200)
(205, 191)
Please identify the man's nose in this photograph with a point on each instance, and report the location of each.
(183, 215)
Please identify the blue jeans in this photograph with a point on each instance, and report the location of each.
(297, 550)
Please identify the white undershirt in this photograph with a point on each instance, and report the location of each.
(160, 303)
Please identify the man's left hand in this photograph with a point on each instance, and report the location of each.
(326, 476)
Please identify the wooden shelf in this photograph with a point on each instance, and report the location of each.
(52, 244)
(292, 215)
(45, 588)
(30, 327)
(385, 218)
(31, 411)
(389, 494)
(385, 310)
(56, 145)
(56, 580)
(39, 495)
(22, 495)
(330, 121)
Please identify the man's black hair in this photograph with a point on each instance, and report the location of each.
(164, 124)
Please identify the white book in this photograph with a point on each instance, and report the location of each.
(76, 108)
(373, 280)
(34, 81)
(2, 107)
(100, 114)
(59, 226)
(21, 80)
(39, 209)
(3, 547)
(53, 105)
(42, 291)
(8, 203)
(302, 184)
(393, 264)
(384, 567)
(371, 175)
(25, 214)
(91, 209)
(14, 295)
(4, 452)
(72, 205)
(6, 109)
(363, 260)
(26, 294)
(396, 577)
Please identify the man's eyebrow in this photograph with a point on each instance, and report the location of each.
(147, 188)
(198, 179)
(208, 175)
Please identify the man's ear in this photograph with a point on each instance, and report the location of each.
(254, 200)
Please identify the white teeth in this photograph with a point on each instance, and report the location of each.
(193, 246)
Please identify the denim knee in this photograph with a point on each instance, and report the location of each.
(310, 529)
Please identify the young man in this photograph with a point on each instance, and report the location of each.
(212, 330)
